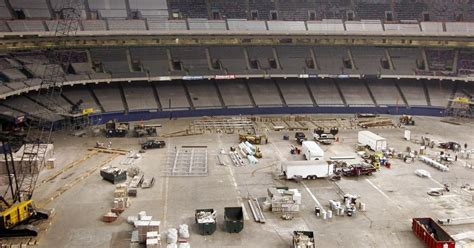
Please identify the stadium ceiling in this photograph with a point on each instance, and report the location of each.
(38, 41)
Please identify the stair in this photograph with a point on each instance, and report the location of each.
(453, 94)
(282, 98)
(313, 99)
(401, 92)
(427, 94)
(250, 93)
(188, 96)
(96, 100)
(221, 99)
(340, 92)
(370, 93)
(157, 97)
(124, 99)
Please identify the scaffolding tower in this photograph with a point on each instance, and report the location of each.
(68, 14)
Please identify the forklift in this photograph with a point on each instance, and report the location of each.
(407, 120)
(18, 212)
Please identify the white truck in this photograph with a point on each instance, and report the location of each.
(372, 140)
(306, 169)
(312, 151)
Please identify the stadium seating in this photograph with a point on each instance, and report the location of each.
(235, 92)
(153, 59)
(404, 59)
(139, 96)
(229, 9)
(325, 92)
(81, 93)
(372, 10)
(262, 58)
(385, 92)
(439, 92)
(295, 10)
(193, 60)
(294, 92)
(108, 95)
(414, 93)
(189, 8)
(203, 94)
(409, 10)
(355, 93)
(150, 8)
(32, 9)
(465, 64)
(109, 8)
(265, 93)
(232, 58)
(367, 59)
(295, 59)
(440, 59)
(262, 8)
(172, 95)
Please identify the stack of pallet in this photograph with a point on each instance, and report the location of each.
(284, 200)
(375, 122)
(121, 200)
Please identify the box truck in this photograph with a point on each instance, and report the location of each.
(372, 140)
(312, 151)
(306, 169)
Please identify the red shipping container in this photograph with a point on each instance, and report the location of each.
(432, 234)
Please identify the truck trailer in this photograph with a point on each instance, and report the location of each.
(372, 140)
(312, 151)
(306, 169)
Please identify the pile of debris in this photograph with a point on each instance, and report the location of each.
(303, 239)
(348, 206)
(206, 221)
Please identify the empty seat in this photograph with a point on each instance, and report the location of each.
(355, 92)
(150, 8)
(172, 95)
(4, 11)
(229, 9)
(235, 93)
(325, 92)
(189, 8)
(126, 24)
(109, 8)
(193, 59)
(109, 97)
(26, 26)
(231, 58)
(265, 93)
(295, 59)
(404, 59)
(139, 96)
(94, 25)
(238, 24)
(203, 94)
(159, 24)
(413, 92)
(294, 92)
(153, 59)
(32, 9)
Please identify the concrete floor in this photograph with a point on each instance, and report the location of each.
(392, 196)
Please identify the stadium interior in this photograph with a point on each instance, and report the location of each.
(175, 62)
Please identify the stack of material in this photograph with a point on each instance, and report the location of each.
(120, 190)
(284, 200)
(375, 122)
(434, 163)
(145, 226)
(303, 239)
(109, 217)
(135, 184)
(152, 240)
(120, 204)
(113, 174)
(172, 236)
(183, 232)
(236, 159)
(148, 183)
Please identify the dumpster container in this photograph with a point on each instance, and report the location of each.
(233, 219)
(206, 221)
(431, 233)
